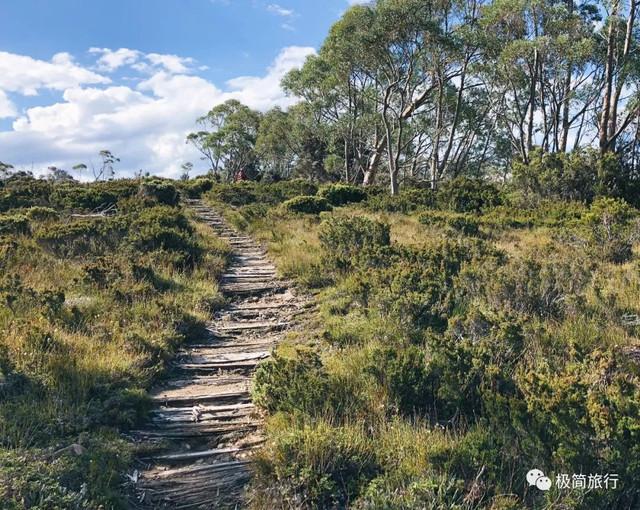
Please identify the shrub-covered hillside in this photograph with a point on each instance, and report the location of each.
(92, 306)
(463, 337)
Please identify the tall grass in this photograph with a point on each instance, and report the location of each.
(84, 335)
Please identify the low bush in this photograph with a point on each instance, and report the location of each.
(466, 195)
(611, 229)
(343, 239)
(14, 224)
(248, 192)
(306, 205)
(403, 373)
(318, 465)
(415, 289)
(237, 194)
(545, 213)
(80, 197)
(197, 187)
(282, 190)
(165, 228)
(24, 191)
(341, 194)
(298, 384)
(88, 197)
(71, 482)
(572, 176)
(159, 191)
(82, 237)
(39, 213)
(545, 288)
(464, 224)
(432, 491)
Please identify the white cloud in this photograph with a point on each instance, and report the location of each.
(172, 63)
(280, 11)
(264, 92)
(153, 62)
(7, 108)
(111, 60)
(144, 124)
(26, 75)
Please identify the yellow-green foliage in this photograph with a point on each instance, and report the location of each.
(473, 342)
(90, 311)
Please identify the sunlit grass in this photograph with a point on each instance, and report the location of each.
(76, 356)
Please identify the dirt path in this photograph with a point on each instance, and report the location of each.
(203, 420)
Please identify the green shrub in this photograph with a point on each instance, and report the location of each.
(546, 288)
(341, 194)
(248, 192)
(70, 482)
(80, 237)
(464, 224)
(432, 491)
(82, 197)
(343, 239)
(468, 195)
(103, 271)
(322, 466)
(195, 188)
(471, 366)
(562, 176)
(23, 191)
(160, 191)
(545, 213)
(403, 372)
(253, 212)
(611, 230)
(280, 191)
(412, 288)
(98, 195)
(237, 194)
(583, 409)
(165, 228)
(306, 205)
(39, 213)
(291, 384)
(16, 224)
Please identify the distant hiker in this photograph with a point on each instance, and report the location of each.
(241, 176)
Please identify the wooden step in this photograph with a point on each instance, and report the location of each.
(203, 421)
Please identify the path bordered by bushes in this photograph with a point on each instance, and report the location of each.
(204, 426)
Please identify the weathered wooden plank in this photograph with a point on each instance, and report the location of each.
(239, 326)
(196, 399)
(207, 400)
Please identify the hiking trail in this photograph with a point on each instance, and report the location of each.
(203, 422)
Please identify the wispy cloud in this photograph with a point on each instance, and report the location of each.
(110, 60)
(280, 11)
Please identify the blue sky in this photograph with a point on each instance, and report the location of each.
(131, 75)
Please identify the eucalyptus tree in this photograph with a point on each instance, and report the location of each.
(539, 67)
(227, 139)
(294, 142)
(186, 168)
(274, 145)
(392, 80)
(107, 166)
(621, 74)
(340, 98)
